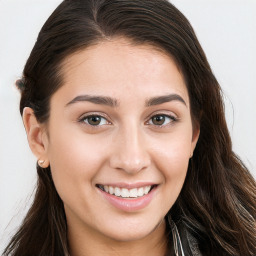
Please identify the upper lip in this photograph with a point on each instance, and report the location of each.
(129, 185)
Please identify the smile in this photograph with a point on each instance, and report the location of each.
(128, 198)
(126, 193)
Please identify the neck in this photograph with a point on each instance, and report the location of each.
(86, 243)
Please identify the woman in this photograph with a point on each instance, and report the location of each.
(134, 156)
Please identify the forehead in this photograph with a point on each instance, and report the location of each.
(117, 66)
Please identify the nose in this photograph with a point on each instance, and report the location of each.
(129, 152)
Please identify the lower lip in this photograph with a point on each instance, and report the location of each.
(129, 204)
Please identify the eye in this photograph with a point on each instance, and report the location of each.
(94, 120)
(161, 120)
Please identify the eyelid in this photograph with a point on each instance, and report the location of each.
(168, 114)
(164, 113)
(89, 114)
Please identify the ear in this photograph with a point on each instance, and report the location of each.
(37, 136)
(195, 137)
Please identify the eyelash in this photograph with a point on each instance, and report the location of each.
(170, 122)
(149, 122)
(82, 120)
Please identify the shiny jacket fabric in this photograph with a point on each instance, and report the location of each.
(183, 242)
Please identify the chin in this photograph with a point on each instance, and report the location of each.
(132, 232)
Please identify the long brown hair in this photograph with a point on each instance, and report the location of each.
(218, 202)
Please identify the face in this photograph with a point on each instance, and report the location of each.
(119, 139)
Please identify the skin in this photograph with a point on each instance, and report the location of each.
(127, 146)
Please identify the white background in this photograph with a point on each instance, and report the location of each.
(227, 32)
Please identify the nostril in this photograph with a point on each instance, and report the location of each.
(129, 166)
(130, 154)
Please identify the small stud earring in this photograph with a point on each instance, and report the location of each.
(41, 162)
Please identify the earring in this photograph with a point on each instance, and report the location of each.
(41, 162)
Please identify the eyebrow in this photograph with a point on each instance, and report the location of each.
(101, 100)
(108, 101)
(163, 99)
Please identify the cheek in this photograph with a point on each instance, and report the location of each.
(173, 164)
(74, 160)
(172, 157)
(174, 150)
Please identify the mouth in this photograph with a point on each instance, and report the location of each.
(125, 192)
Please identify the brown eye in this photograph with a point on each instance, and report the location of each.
(94, 120)
(160, 120)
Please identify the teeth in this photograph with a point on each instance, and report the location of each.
(140, 191)
(117, 192)
(126, 193)
(146, 189)
(134, 192)
(110, 190)
(106, 188)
